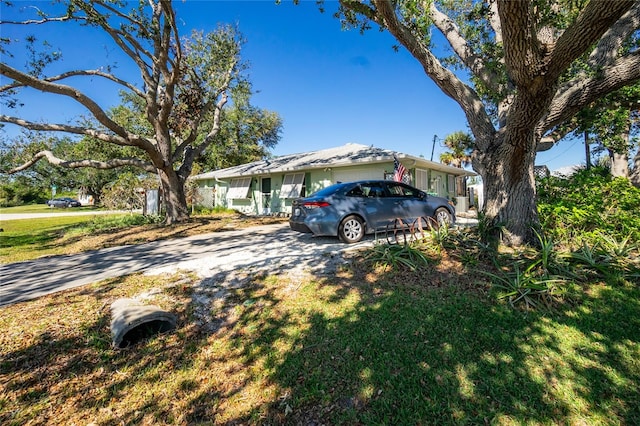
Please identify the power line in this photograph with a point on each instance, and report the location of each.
(561, 154)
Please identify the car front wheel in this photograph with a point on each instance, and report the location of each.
(351, 229)
(443, 217)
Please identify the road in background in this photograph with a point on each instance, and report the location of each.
(64, 212)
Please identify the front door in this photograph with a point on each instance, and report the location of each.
(266, 195)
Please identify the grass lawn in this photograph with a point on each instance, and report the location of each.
(370, 345)
(43, 208)
(27, 239)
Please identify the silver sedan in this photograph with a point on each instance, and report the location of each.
(351, 210)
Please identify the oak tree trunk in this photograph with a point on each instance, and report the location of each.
(634, 176)
(173, 196)
(619, 164)
(620, 158)
(506, 167)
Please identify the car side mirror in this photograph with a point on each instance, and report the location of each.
(422, 195)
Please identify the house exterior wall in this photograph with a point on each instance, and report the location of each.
(318, 179)
(214, 192)
(434, 182)
(439, 184)
(361, 172)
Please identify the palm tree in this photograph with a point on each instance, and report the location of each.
(460, 145)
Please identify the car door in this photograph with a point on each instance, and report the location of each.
(407, 202)
(371, 197)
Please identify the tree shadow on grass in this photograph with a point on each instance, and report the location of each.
(418, 354)
(356, 347)
(65, 371)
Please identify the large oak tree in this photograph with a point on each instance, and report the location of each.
(509, 73)
(184, 85)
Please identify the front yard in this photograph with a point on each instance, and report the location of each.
(370, 345)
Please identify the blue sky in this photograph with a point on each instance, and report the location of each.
(329, 86)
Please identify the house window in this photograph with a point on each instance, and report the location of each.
(435, 185)
(239, 188)
(451, 183)
(292, 185)
(422, 179)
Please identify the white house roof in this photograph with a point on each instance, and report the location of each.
(345, 155)
(567, 171)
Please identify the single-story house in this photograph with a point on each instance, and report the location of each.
(269, 186)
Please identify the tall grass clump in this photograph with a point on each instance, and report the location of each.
(394, 256)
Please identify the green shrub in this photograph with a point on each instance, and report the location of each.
(204, 211)
(581, 209)
(105, 223)
(16, 193)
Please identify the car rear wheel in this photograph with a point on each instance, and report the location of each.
(443, 217)
(351, 229)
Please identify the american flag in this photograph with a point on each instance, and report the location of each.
(400, 172)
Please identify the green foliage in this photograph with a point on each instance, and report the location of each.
(539, 276)
(607, 259)
(22, 190)
(42, 176)
(591, 231)
(489, 231)
(441, 236)
(247, 134)
(548, 274)
(106, 223)
(612, 120)
(527, 286)
(588, 205)
(200, 210)
(460, 145)
(397, 255)
(127, 192)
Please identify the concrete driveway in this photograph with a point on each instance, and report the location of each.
(214, 256)
(218, 258)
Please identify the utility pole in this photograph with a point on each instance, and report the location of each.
(433, 147)
(587, 151)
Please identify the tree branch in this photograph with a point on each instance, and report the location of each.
(494, 20)
(466, 97)
(521, 53)
(110, 164)
(208, 139)
(550, 139)
(49, 127)
(78, 96)
(163, 48)
(124, 39)
(575, 95)
(594, 21)
(460, 46)
(78, 73)
(44, 20)
(611, 42)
